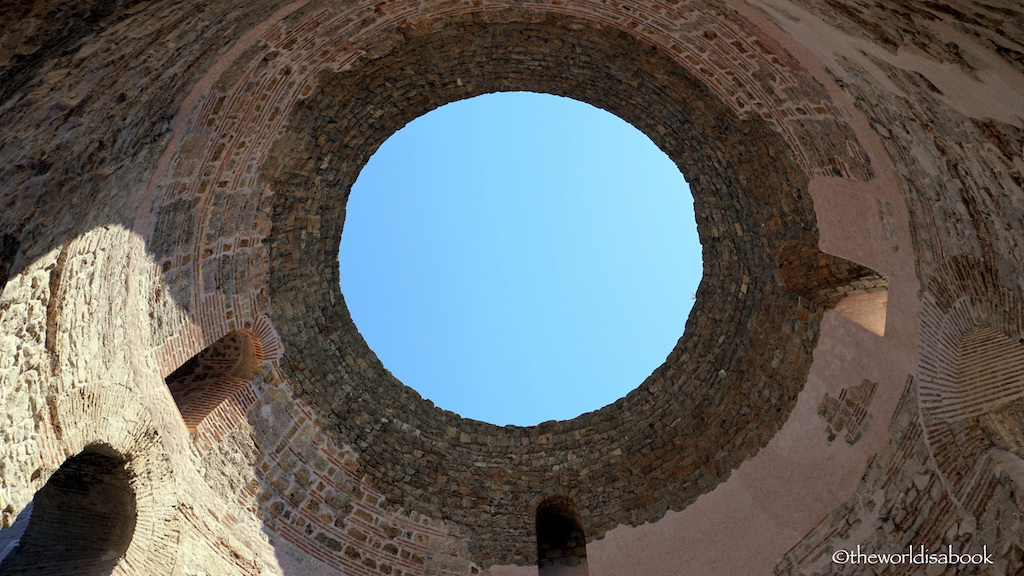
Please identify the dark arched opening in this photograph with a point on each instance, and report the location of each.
(82, 520)
(213, 375)
(561, 543)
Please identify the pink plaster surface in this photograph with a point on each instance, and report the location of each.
(749, 522)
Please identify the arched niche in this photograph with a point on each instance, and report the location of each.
(561, 542)
(81, 521)
(213, 375)
(990, 381)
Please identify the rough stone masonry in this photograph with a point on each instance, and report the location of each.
(181, 382)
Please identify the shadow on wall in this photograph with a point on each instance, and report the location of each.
(8, 252)
(11, 536)
(79, 524)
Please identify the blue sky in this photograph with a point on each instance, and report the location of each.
(520, 257)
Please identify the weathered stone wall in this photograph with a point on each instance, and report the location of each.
(903, 503)
(939, 83)
(176, 172)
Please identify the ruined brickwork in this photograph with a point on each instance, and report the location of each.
(174, 341)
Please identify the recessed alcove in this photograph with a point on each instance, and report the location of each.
(990, 382)
(520, 257)
(561, 542)
(213, 375)
(971, 391)
(81, 521)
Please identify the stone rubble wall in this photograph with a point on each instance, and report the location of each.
(173, 172)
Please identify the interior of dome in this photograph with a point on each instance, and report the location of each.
(175, 184)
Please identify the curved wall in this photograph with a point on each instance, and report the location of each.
(177, 172)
